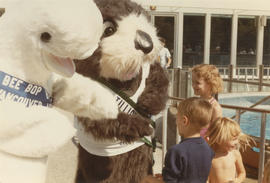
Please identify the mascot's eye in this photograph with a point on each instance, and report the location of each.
(45, 37)
(109, 29)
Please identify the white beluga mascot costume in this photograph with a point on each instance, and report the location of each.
(38, 41)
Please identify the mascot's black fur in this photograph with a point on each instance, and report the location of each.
(128, 42)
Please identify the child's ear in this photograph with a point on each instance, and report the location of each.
(185, 120)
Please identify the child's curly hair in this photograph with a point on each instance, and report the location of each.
(225, 129)
(211, 75)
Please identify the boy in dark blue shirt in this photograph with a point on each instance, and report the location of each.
(190, 160)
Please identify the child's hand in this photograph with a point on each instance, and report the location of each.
(158, 176)
(151, 179)
(148, 179)
(206, 138)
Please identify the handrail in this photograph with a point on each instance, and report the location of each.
(245, 108)
(254, 105)
(230, 77)
(231, 106)
(246, 82)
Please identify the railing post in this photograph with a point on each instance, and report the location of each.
(186, 85)
(261, 69)
(172, 83)
(230, 78)
(262, 147)
(178, 83)
(164, 132)
(237, 116)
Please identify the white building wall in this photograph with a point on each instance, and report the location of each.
(234, 8)
(257, 6)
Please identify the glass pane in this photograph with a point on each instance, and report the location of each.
(266, 44)
(193, 39)
(246, 45)
(220, 41)
(165, 29)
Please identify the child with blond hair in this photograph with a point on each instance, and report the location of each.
(190, 160)
(206, 83)
(225, 138)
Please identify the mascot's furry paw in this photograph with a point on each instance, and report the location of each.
(154, 97)
(127, 128)
(133, 127)
(98, 104)
(33, 131)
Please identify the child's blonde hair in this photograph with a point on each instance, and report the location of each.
(211, 75)
(197, 110)
(266, 174)
(225, 129)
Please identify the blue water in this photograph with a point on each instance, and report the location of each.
(250, 122)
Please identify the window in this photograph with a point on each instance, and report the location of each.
(165, 27)
(246, 45)
(266, 44)
(220, 40)
(193, 39)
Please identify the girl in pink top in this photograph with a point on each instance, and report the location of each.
(206, 82)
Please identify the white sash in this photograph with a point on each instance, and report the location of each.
(114, 147)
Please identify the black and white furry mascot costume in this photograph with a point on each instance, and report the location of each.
(112, 150)
(39, 38)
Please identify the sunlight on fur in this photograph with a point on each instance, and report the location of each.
(124, 62)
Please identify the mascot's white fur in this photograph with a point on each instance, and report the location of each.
(39, 38)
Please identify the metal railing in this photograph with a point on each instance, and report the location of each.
(258, 76)
(238, 110)
(181, 88)
(236, 79)
(245, 73)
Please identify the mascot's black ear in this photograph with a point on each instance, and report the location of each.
(2, 11)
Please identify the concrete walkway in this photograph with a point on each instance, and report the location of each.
(63, 165)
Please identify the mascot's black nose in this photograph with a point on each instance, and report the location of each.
(143, 42)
